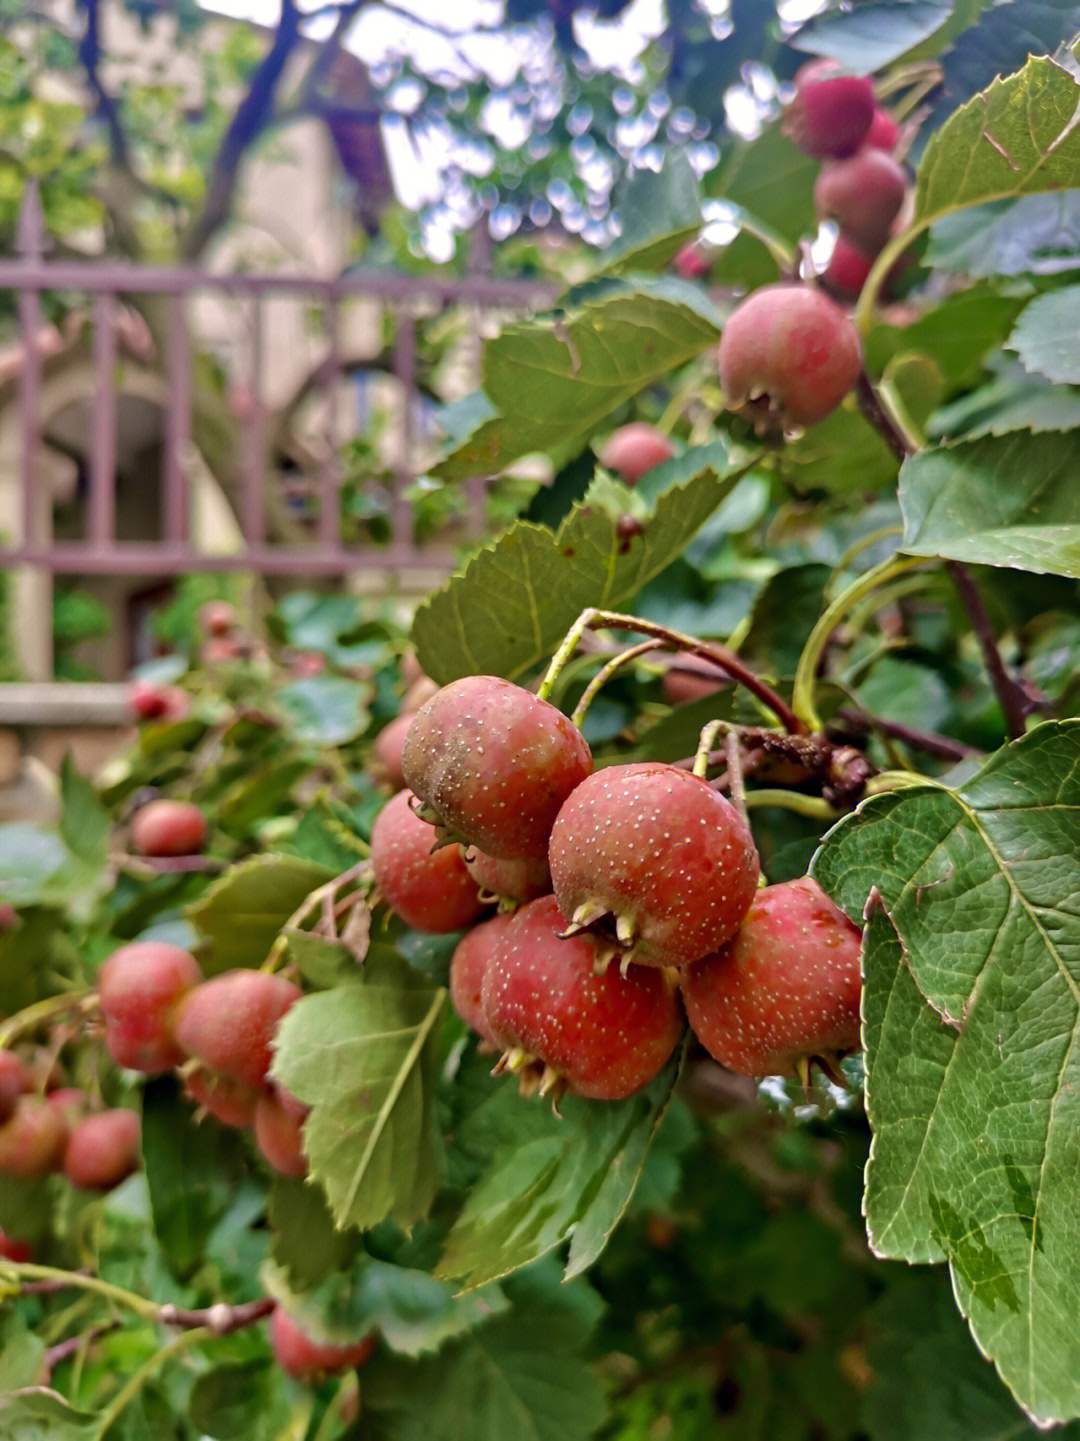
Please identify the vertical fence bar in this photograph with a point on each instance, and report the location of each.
(175, 505)
(101, 502)
(30, 242)
(404, 362)
(330, 477)
(252, 499)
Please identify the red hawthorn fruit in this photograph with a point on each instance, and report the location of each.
(830, 113)
(567, 1024)
(419, 693)
(431, 890)
(845, 274)
(72, 1103)
(8, 917)
(689, 679)
(634, 449)
(307, 1360)
(468, 966)
(168, 828)
(388, 748)
(150, 701)
(661, 861)
(279, 1131)
(691, 262)
(140, 987)
(12, 1083)
(217, 617)
(493, 763)
(229, 1022)
(863, 194)
(788, 355)
(511, 883)
(307, 663)
(228, 1101)
(784, 990)
(12, 1249)
(884, 133)
(32, 1139)
(102, 1150)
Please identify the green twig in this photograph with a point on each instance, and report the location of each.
(131, 1388)
(605, 673)
(42, 1012)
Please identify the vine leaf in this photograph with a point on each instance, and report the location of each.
(972, 1033)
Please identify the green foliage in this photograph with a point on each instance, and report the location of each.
(714, 1256)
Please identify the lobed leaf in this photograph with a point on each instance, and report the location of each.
(242, 913)
(972, 1036)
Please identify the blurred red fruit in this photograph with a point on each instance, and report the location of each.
(139, 988)
(229, 1022)
(307, 1360)
(634, 449)
(168, 828)
(830, 113)
(102, 1150)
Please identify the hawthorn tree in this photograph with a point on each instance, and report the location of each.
(341, 1222)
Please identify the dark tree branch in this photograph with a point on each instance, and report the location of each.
(872, 408)
(928, 742)
(1015, 704)
(253, 115)
(90, 56)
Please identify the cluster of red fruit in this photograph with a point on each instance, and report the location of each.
(624, 894)
(862, 185)
(59, 1131)
(159, 1014)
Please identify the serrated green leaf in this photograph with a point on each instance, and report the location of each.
(326, 710)
(238, 1402)
(574, 1180)
(873, 36)
(772, 181)
(38, 869)
(191, 1172)
(1013, 400)
(553, 380)
(927, 1377)
(307, 1246)
(21, 1354)
(1019, 136)
(43, 1416)
(1045, 335)
(84, 822)
(361, 1057)
(972, 1033)
(516, 599)
(1039, 234)
(783, 617)
(659, 212)
(243, 911)
(519, 1376)
(412, 1312)
(959, 333)
(1005, 501)
(841, 454)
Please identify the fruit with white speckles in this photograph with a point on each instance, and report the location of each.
(564, 1024)
(431, 890)
(655, 859)
(468, 967)
(784, 990)
(511, 883)
(492, 764)
(788, 355)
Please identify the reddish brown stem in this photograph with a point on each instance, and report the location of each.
(1015, 705)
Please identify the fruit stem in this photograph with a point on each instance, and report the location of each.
(865, 543)
(816, 807)
(1015, 704)
(806, 671)
(863, 316)
(57, 1279)
(709, 733)
(710, 651)
(883, 418)
(895, 781)
(604, 674)
(736, 787)
(44, 1011)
